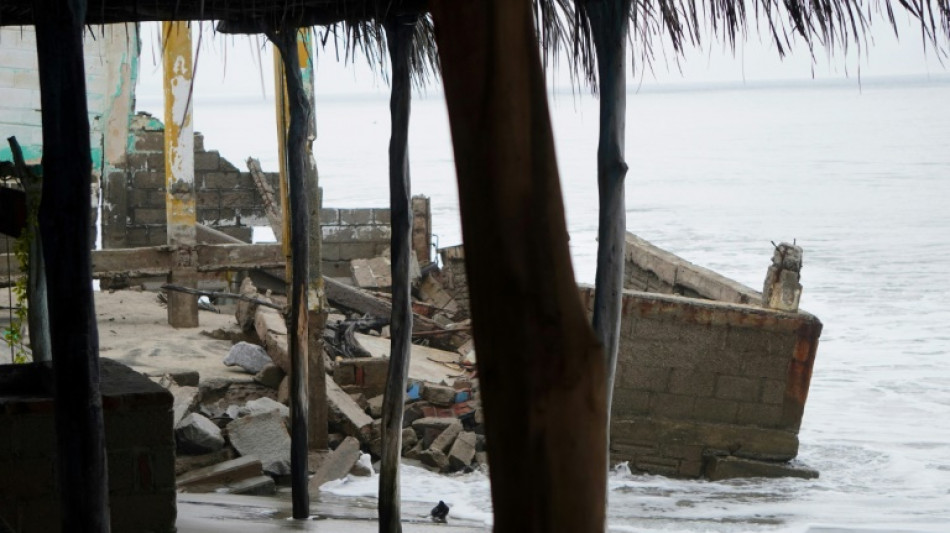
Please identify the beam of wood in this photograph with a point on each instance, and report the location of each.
(271, 206)
(399, 34)
(64, 222)
(609, 22)
(180, 206)
(351, 299)
(220, 294)
(285, 39)
(536, 347)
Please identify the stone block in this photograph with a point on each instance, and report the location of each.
(737, 388)
(463, 450)
(207, 160)
(264, 436)
(337, 464)
(251, 357)
(185, 401)
(728, 467)
(355, 217)
(693, 382)
(196, 434)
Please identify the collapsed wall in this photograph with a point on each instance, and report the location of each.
(709, 383)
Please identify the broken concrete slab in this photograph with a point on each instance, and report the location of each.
(250, 357)
(257, 486)
(265, 405)
(363, 467)
(264, 436)
(337, 464)
(182, 377)
(375, 273)
(375, 406)
(719, 468)
(347, 414)
(463, 451)
(187, 463)
(222, 473)
(185, 400)
(434, 459)
(270, 376)
(445, 439)
(440, 395)
(272, 330)
(196, 434)
(432, 292)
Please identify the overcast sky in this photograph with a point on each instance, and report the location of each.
(242, 65)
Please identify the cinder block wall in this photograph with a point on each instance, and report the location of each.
(134, 204)
(141, 456)
(699, 377)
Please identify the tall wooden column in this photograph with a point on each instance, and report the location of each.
(64, 221)
(180, 208)
(609, 23)
(536, 348)
(285, 39)
(399, 32)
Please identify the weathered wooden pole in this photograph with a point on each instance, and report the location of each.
(399, 33)
(316, 295)
(609, 23)
(286, 41)
(65, 222)
(180, 205)
(36, 293)
(536, 348)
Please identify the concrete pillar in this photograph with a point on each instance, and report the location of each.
(782, 291)
(180, 170)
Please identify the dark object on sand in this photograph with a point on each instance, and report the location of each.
(440, 512)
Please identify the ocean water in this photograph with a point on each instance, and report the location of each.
(859, 175)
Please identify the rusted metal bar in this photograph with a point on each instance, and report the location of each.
(536, 348)
(285, 39)
(399, 33)
(64, 222)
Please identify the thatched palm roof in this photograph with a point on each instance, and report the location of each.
(563, 27)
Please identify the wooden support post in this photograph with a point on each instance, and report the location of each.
(536, 348)
(316, 297)
(180, 170)
(36, 293)
(286, 42)
(609, 23)
(283, 124)
(399, 34)
(64, 222)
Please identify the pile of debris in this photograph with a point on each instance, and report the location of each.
(233, 436)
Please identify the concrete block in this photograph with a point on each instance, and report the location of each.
(221, 180)
(329, 216)
(375, 406)
(445, 439)
(737, 388)
(439, 395)
(716, 410)
(652, 379)
(694, 382)
(672, 405)
(353, 217)
(337, 464)
(762, 415)
(263, 436)
(463, 450)
(409, 439)
(719, 468)
(207, 160)
(346, 414)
